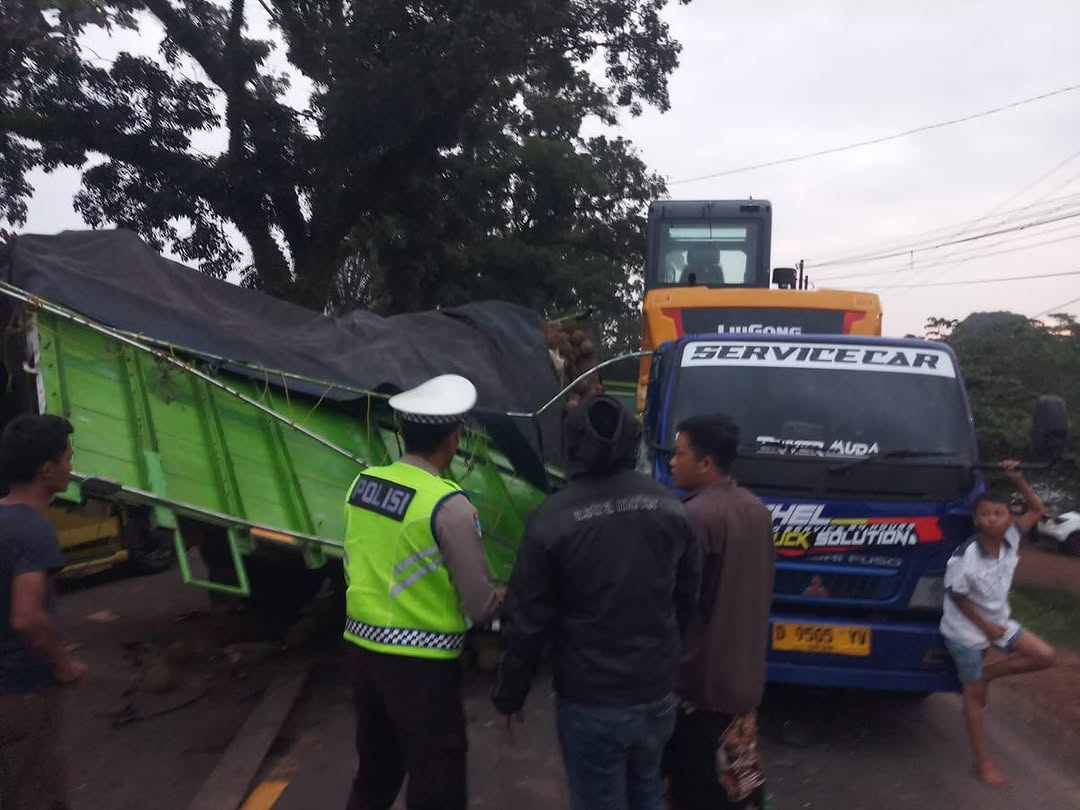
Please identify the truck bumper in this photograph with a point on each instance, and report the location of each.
(904, 656)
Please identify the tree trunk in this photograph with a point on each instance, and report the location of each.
(315, 272)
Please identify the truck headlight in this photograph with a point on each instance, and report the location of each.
(929, 593)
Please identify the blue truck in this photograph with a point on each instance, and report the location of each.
(864, 449)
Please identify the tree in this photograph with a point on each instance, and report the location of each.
(440, 157)
(939, 329)
(1008, 361)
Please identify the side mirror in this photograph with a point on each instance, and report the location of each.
(1049, 427)
(651, 416)
(784, 277)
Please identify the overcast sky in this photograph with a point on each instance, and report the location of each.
(766, 81)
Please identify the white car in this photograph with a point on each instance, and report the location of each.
(1064, 528)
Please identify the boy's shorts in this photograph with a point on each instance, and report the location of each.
(969, 660)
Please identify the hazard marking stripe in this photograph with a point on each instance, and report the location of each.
(265, 796)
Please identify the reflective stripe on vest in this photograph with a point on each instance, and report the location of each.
(432, 565)
(400, 637)
(400, 599)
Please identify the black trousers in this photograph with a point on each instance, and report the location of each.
(410, 719)
(712, 762)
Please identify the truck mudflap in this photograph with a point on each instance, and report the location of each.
(903, 656)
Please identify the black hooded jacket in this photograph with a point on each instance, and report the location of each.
(607, 572)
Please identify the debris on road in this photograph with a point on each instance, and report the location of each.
(130, 714)
(102, 616)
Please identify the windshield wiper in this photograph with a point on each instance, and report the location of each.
(903, 453)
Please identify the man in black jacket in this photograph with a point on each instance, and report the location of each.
(607, 572)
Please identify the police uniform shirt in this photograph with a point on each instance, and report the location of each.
(458, 535)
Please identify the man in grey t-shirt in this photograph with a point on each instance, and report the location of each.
(35, 460)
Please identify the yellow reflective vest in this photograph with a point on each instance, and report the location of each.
(400, 599)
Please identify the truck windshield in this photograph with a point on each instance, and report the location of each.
(827, 400)
(712, 253)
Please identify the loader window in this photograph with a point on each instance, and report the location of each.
(706, 253)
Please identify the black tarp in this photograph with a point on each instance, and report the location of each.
(114, 278)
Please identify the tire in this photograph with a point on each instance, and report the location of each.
(150, 551)
(280, 590)
(1072, 544)
(282, 587)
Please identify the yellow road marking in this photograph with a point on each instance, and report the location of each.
(267, 793)
(264, 796)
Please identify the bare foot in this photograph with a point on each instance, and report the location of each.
(989, 774)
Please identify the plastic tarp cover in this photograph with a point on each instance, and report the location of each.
(113, 277)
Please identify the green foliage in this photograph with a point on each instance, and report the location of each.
(1053, 614)
(440, 157)
(1008, 361)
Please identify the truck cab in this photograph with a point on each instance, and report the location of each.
(863, 449)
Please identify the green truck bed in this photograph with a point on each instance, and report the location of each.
(246, 461)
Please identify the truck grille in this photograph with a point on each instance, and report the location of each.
(839, 586)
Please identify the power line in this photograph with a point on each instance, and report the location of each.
(1034, 184)
(954, 257)
(1040, 211)
(1067, 182)
(969, 254)
(974, 238)
(920, 275)
(1055, 308)
(948, 260)
(883, 139)
(923, 239)
(980, 281)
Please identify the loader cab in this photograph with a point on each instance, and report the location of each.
(718, 243)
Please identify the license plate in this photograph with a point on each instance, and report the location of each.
(834, 639)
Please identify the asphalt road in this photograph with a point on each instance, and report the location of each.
(824, 750)
(136, 749)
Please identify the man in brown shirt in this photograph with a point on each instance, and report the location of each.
(712, 760)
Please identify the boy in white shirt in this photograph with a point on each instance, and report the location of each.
(977, 581)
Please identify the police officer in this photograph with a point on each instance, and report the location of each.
(417, 576)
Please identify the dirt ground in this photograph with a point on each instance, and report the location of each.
(1049, 700)
(1048, 568)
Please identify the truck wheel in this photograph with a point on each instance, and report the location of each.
(280, 590)
(1072, 543)
(150, 551)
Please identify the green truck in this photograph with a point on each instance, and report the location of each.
(213, 418)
